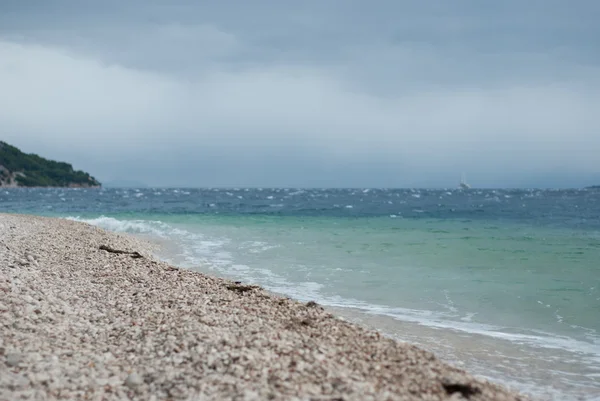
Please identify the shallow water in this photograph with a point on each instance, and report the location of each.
(504, 282)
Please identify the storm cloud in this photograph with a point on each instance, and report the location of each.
(312, 93)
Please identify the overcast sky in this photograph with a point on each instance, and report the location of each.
(306, 93)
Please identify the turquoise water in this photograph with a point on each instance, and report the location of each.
(504, 283)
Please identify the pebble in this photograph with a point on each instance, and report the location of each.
(134, 380)
(13, 359)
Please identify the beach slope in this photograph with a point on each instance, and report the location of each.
(88, 314)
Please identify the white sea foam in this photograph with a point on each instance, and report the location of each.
(257, 246)
(157, 228)
(219, 254)
(197, 249)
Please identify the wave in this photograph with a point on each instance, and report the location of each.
(216, 254)
(157, 228)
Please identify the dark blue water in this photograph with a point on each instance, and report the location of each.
(562, 208)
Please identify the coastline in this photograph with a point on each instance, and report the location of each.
(80, 321)
(71, 186)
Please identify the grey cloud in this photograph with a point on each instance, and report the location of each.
(305, 93)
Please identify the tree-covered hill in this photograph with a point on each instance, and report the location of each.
(18, 169)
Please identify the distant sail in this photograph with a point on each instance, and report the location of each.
(463, 182)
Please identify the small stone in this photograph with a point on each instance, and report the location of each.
(42, 378)
(20, 383)
(134, 380)
(13, 359)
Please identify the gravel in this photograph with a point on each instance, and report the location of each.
(80, 322)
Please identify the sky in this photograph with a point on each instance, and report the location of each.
(312, 93)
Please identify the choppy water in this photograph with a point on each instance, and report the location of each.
(505, 282)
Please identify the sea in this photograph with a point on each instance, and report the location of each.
(504, 283)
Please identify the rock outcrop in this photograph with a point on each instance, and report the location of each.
(18, 169)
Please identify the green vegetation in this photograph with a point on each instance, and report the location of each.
(31, 170)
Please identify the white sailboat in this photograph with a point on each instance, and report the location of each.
(463, 182)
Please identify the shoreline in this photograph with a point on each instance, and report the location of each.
(515, 365)
(80, 321)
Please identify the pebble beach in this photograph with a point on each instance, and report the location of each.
(92, 315)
